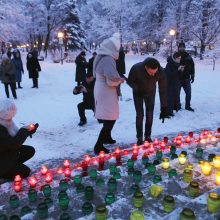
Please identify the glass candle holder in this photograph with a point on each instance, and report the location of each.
(165, 163)
(89, 193)
(109, 198)
(87, 208)
(210, 157)
(213, 202)
(112, 185)
(206, 168)
(130, 171)
(134, 188)
(173, 149)
(187, 176)
(63, 185)
(187, 214)
(159, 155)
(168, 203)
(145, 159)
(42, 210)
(14, 201)
(182, 159)
(216, 162)
(217, 178)
(93, 174)
(48, 201)
(130, 163)
(64, 202)
(32, 195)
(184, 152)
(199, 153)
(17, 186)
(138, 199)
(77, 180)
(137, 176)
(113, 169)
(100, 182)
(151, 169)
(136, 215)
(172, 173)
(157, 179)
(117, 175)
(47, 190)
(194, 189)
(65, 216)
(80, 188)
(25, 210)
(173, 156)
(101, 212)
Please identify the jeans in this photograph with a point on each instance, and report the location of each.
(139, 102)
(12, 86)
(187, 89)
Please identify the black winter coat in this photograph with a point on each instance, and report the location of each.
(9, 148)
(171, 70)
(90, 67)
(120, 63)
(33, 67)
(145, 85)
(189, 66)
(81, 66)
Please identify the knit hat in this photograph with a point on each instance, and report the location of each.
(182, 45)
(116, 40)
(7, 109)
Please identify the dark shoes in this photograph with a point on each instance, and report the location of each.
(109, 141)
(20, 87)
(171, 115)
(190, 109)
(82, 122)
(148, 139)
(97, 149)
(140, 141)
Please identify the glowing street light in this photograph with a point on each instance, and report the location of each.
(60, 36)
(172, 33)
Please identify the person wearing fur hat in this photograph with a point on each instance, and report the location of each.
(81, 66)
(13, 153)
(105, 91)
(7, 75)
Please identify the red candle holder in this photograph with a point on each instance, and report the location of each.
(118, 156)
(44, 170)
(101, 160)
(165, 139)
(188, 139)
(49, 177)
(135, 150)
(145, 145)
(17, 186)
(66, 163)
(151, 148)
(84, 166)
(155, 142)
(179, 142)
(191, 134)
(17, 178)
(87, 159)
(67, 172)
(218, 130)
(60, 170)
(162, 145)
(32, 182)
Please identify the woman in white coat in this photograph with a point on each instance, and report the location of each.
(106, 90)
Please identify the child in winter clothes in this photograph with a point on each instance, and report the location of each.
(12, 151)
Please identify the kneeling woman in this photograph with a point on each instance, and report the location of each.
(12, 151)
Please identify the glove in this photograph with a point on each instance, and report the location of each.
(164, 114)
(192, 80)
(32, 128)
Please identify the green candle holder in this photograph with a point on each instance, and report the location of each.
(213, 202)
(24, 211)
(172, 173)
(168, 203)
(93, 174)
(3, 217)
(130, 171)
(42, 210)
(14, 201)
(157, 179)
(156, 162)
(187, 214)
(210, 157)
(62, 193)
(109, 198)
(47, 190)
(134, 188)
(63, 185)
(145, 159)
(32, 195)
(173, 149)
(89, 192)
(14, 217)
(100, 182)
(137, 176)
(112, 185)
(138, 199)
(113, 169)
(101, 212)
(77, 180)
(64, 202)
(187, 175)
(65, 216)
(130, 163)
(48, 201)
(136, 215)
(174, 156)
(151, 169)
(117, 175)
(80, 188)
(199, 153)
(194, 189)
(87, 208)
(159, 155)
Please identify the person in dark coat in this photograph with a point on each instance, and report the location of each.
(173, 83)
(120, 62)
(187, 75)
(90, 65)
(18, 67)
(7, 75)
(81, 66)
(87, 88)
(143, 78)
(33, 68)
(13, 153)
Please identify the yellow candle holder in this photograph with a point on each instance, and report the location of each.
(206, 168)
(182, 159)
(217, 178)
(189, 166)
(216, 162)
(165, 163)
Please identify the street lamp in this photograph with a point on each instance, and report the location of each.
(60, 36)
(172, 32)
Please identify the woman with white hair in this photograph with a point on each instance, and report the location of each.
(12, 151)
(106, 90)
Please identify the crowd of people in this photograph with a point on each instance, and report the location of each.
(99, 81)
(11, 70)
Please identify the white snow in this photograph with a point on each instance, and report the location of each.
(54, 107)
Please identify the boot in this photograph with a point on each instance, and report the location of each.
(190, 109)
(109, 140)
(140, 141)
(148, 139)
(82, 122)
(98, 148)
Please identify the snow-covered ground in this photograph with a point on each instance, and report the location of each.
(54, 107)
